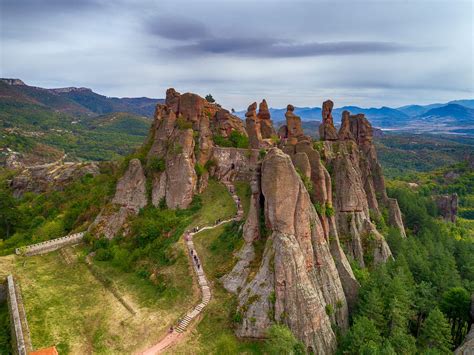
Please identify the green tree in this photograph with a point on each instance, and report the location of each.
(9, 214)
(435, 332)
(362, 337)
(424, 301)
(371, 306)
(210, 99)
(282, 341)
(455, 305)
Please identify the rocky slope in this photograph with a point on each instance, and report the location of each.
(312, 207)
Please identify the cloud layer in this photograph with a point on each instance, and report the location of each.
(368, 53)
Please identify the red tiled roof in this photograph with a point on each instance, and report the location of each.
(46, 351)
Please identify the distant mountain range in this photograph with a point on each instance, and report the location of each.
(455, 117)
(75, 101)
(451, 117)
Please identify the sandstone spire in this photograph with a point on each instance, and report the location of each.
(327, 131)
(266, 124)
(252, 125)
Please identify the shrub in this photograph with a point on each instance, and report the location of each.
(183, 124)
(329, 309)
(157, 164)
(199, 169)
(210, 99)
(306, 181)
(235, 139)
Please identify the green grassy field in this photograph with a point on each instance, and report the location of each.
(68, 307)
(216, 203)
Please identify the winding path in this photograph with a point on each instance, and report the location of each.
(173, 336)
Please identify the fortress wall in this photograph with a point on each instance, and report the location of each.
(50, 245)
(19, 325)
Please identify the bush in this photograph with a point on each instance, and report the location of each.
(183, 124)
(235, 139)
(199, 169)
(282, 341)
(157, 164)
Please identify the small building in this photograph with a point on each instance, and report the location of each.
(46, 351)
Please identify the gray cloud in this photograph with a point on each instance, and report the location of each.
(177, 28)
(358, 52)
(274, 48)
(36, 7)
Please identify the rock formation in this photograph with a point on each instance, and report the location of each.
(266, 124)
(252, 125)
(52, 176)
(130, 196)
(448, 206)
(259, 126)
(292, 132)
(297, 278)
(327, 131)
(312, 207)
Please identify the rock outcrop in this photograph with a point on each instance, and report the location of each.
(252, 125)
(130, 196)
(327, 131)
(266, 124)
(182, 136)
(259, 126)
(448, 206)
(52, 176)
(297, 281)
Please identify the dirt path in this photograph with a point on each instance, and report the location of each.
(176, 334)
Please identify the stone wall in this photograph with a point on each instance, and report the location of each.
(234, 163)
(50, 245)
(19, 325)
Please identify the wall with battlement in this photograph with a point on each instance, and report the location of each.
(19, 334)
(50, 245)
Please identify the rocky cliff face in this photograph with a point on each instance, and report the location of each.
(297, 279)
(448, 206)
(52, 176)
(130, 196)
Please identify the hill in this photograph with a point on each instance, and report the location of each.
(75, 101)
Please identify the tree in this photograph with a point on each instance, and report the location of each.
(455, 304)
(435, 332)
(371, 306)
(362, 337)
(282, 341)
(9, 214)
(210, 99)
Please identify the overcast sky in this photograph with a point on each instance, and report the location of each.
(366, 53)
